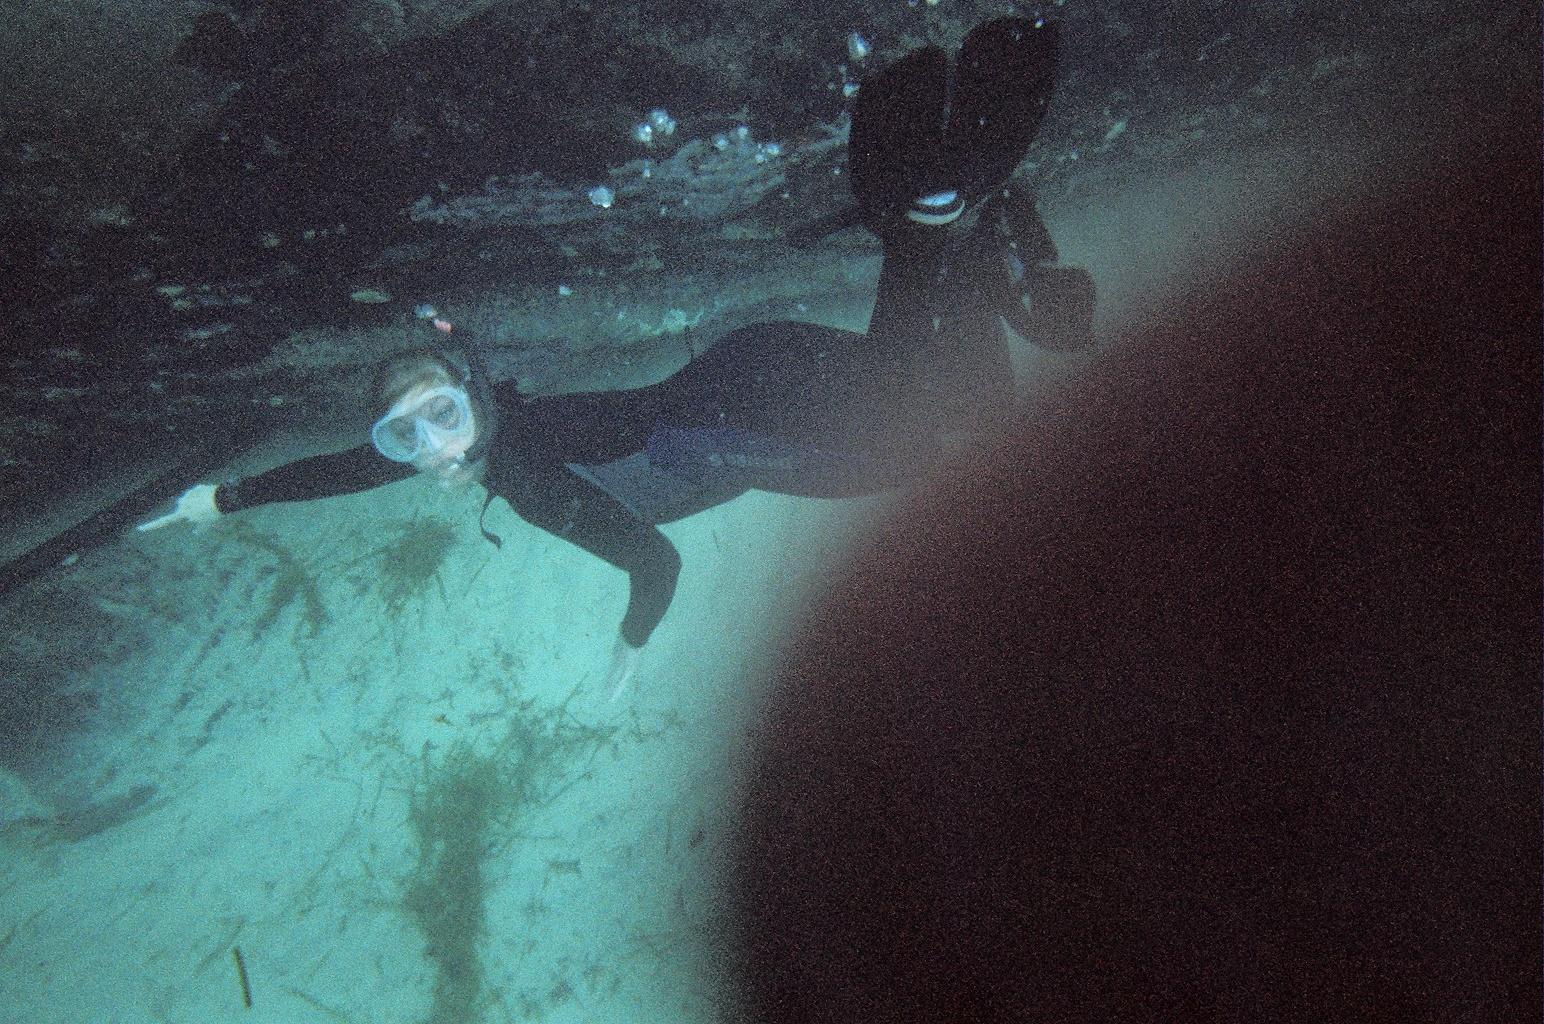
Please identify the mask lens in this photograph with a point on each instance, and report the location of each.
(396, 438)
(442, 411)
(404, 432)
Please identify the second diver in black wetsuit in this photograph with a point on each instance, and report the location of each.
(794, 408)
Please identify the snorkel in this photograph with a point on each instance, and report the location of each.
(476, 382)
(480, 388)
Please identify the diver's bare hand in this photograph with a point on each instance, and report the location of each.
(196, 505)
(624, 665)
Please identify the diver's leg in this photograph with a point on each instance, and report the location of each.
(928, 140)
(730, 457)
(932, 149)
(779, 406)
(790, 379)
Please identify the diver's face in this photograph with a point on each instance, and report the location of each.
(443, 448)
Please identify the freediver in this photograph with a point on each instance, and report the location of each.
(788, 407)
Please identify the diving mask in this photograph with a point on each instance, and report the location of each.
(430, 421)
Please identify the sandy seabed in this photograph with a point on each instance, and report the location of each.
(372, 751)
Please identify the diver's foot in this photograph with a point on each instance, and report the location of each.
(1050, 306)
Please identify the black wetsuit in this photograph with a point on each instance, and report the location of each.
(790, 407)
(794, 408)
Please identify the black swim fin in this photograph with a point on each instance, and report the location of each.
(895, 149)
(1003, 81)
(929, 138)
